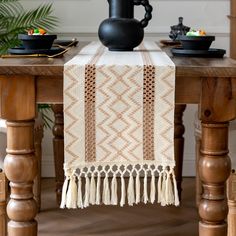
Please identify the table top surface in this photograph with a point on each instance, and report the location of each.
(185, 66)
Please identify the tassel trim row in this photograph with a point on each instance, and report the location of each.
(88, 187)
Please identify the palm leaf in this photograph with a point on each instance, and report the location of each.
(14, 20)
(10, 7)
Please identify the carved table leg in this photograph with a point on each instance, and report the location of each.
(179, 145)
(21, 168)
(214, 170)
(58, 146)
(17, 94)
(217, 108)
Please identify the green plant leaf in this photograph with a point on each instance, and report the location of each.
(14, 20)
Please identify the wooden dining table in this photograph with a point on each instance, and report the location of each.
(25, 82)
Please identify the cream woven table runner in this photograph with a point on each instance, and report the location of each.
(119, 122)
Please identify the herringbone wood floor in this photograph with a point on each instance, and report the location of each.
(141, 220)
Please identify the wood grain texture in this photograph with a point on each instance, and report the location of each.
(38, 136)
(17, 93)
(214, 169)
(218, 100)
(232, 218)
(179, 145)
(20, 167)
(231, 193)
(49, 87)
(58, 148)
(3, 203)
(232, 18)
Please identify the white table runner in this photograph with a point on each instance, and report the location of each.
(119, 122)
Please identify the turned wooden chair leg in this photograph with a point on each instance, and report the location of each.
(58, 147)
(198, 182)
(231, 193)
(3, 204)
(38, 136)
(179, 145)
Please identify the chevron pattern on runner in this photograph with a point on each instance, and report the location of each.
(73, 122)
(119, 121)
(165, 111)
(119, 114)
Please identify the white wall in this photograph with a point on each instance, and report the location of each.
(81, 18)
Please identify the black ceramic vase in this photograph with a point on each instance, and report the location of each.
(121, 32)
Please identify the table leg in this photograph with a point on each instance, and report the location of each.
(58, 147)
(21, 168)
(217, 108)
(214, 170)
(18, 107)
(179, 145)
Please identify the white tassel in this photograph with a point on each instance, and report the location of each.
(106, 191)
(114, 198)
(92, 198)
(163, 190)
(175, 191)
(137, 188)
(153, 188)
(98, 191)
(71, 201)
(122, 200)
(159, 190)
(168, 190)
(131, 197)
(64, 190)
(87, 188)
(80, 196)
(145, 191)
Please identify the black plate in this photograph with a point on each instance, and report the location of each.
(211, 53)
(23, 51)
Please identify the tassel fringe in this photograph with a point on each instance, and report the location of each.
(131, 197)
(114, 197)
(78, 194)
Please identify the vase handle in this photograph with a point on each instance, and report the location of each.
(148, 9)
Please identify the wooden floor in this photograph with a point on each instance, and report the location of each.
(141, 220)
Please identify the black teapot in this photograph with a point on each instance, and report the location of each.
(121, 32)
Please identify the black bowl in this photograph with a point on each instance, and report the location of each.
(37, 41)
(196, 42)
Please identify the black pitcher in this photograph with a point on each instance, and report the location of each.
(121, 32)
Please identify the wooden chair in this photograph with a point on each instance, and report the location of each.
(38, 136)
(231, 184)
(3, 202)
